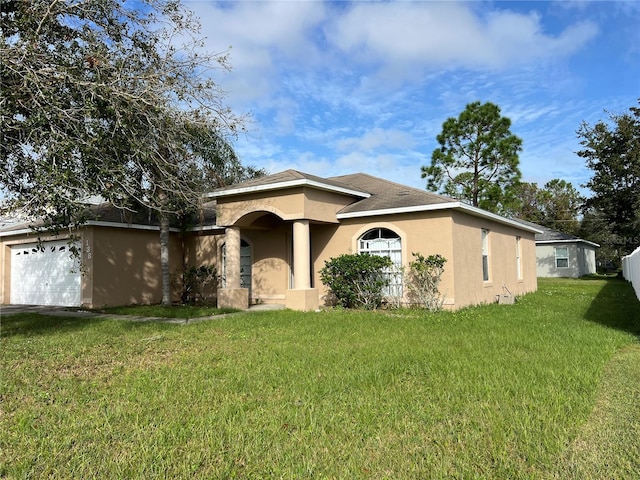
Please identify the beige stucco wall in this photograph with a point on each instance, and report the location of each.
(457, 237)
(270, 275)
(126, 266)
(288, 204)
(120, 266)
(203, 249)
(265, 221)
(470, 287)
(270, 259)
(425, 233)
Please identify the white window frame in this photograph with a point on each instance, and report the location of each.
(385, 247)
(486, 271)
(562, 257)
(518, 258)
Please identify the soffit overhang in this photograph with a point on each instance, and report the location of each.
(457, 206)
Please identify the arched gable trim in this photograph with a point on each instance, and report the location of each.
(258, 209)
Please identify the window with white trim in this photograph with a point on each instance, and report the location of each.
(518, 260)
(485, 255)
(385, 243)
(562, 257)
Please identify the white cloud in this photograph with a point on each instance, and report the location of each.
(376, 139)
(262, 36)
(411, 35)
(392, 41)
(340, 87)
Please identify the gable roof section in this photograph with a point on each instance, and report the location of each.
(392, 198)
(287, 179)
(548, 235)
(372, 195)
(386, 195)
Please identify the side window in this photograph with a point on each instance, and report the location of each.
(518, 259)
(485, 255)
(562, 257)
(385, 243)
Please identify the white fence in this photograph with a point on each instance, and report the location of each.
(631, 269)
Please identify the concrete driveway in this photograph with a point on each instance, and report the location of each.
(44, 309)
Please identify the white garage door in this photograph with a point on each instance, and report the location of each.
(45, 274)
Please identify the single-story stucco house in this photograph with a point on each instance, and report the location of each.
(268, 239)
(560, 254)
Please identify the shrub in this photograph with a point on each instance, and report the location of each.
(194, 282)
(356, 280)
(394, 297)
(425, 274)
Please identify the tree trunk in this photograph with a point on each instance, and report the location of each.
(164, 259)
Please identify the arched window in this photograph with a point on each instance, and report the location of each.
(385, 243)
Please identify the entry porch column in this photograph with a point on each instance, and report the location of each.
(302, 296)
(232, 295)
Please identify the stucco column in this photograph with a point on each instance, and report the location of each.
(232, 295)
(302, 296)
(232, 253)
(301, 255)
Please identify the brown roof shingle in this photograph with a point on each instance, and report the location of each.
(386, 195)
(281, 178)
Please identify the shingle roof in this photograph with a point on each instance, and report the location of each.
(550, 235)
(371, 195)
(282, 179)
(106, 213)
(386, 195)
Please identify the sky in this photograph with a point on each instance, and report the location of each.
(343, 87)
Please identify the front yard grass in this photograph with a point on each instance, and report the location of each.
(173, 311)
(547, 388)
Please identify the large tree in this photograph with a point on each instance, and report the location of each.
(99, 99)
(612, 152)
(477, 160)
(556, 205)
(596, 228)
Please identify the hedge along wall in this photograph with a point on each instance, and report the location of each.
(631, 270)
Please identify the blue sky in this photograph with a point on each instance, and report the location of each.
(345, 87)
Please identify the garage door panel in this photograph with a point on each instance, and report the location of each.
(45, 274)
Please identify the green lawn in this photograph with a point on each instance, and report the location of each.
(548, 388)
(180, 311)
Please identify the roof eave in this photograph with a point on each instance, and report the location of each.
(574, 240)
(91, 223)
(478, 212)
(303, 182)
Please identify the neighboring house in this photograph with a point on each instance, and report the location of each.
(560, 254)
(270, 238)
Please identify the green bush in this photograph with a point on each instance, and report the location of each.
(194, 282)
(356, 280)
(425, 274)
